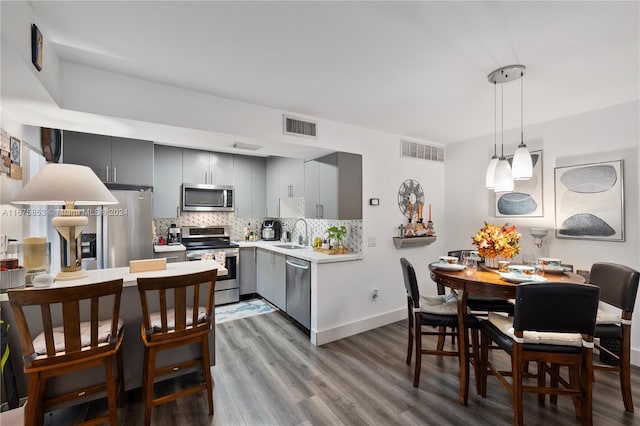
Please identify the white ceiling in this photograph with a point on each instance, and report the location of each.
(417, 69)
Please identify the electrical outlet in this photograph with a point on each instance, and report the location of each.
(372, 241)
(374, 295)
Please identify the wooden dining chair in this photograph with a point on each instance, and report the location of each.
(437, 312)
(184, 316)
(553, 325)
(74, 345)
(618, 287)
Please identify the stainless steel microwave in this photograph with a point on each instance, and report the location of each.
(197, 197)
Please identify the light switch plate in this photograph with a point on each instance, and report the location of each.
(374, 201)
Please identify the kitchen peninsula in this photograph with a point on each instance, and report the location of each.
(325, 269)
(130, 313)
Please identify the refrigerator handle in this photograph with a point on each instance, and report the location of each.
(177, 211)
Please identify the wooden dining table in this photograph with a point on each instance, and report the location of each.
(483, 282)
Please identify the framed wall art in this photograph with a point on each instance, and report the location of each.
(37, 43)
(526, 198)
(15, 150)
(590, 201)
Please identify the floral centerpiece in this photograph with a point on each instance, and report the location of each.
(495, 241)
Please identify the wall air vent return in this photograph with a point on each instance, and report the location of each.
(421, 151)
(296, 127)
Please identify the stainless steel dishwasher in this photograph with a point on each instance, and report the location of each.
(299, 290)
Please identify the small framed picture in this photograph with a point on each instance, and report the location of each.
(36, 47)
(4, 141)
(15, 150)
(5, 163)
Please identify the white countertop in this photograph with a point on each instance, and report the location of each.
(168, 247)
(100, 275)
(306, 253)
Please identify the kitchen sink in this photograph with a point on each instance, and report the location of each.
(289, 246)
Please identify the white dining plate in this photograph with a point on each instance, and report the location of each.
(522, 279)
(555, 269)
(448, 266)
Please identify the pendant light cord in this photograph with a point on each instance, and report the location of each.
(495, 119)
(502, 121)
(521, 107)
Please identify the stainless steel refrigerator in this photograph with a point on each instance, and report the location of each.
(125, 230)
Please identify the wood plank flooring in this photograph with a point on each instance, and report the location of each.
(268, 373)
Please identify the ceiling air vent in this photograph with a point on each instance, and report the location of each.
(296, 127)
(421, 151)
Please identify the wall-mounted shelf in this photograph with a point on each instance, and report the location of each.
(413, 241)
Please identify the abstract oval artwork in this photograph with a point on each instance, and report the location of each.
(514, 203)
(590, 179)
(582, 224)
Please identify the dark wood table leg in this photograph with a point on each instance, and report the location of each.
(463, 346)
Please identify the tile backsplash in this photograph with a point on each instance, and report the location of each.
(353, 239)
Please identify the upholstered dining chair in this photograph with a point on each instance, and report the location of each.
(72, 346)
(187, 322)
(553, 325)
(618, 287)
(436, 311)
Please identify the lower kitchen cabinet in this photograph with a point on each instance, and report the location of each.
(248, 270)
(271, 277)
(172, 256)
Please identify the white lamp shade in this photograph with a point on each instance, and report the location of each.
(57, 183)
(491, 171)
(522, 164)
(503, 179)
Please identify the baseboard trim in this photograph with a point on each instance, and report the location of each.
(325, 336)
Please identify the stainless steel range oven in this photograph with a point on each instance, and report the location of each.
(212, 239)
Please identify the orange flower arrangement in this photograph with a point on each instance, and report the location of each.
(493, 241)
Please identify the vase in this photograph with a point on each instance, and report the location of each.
(492, 262)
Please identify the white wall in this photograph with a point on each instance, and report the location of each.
(611, 133)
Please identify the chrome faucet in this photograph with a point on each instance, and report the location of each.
(306, 231)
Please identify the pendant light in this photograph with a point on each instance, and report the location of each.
(522, 164)
(491, 168)
(503, 175)
(503, 178)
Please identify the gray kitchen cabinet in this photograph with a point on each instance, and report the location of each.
(249, 176)
(114, 160)
(271, 277)
(167, 181)
(333, 187)
(213, 168)
(248, 270)
(285, 178)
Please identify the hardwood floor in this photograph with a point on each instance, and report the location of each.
(268, 373)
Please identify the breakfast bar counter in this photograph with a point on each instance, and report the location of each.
(130, 313)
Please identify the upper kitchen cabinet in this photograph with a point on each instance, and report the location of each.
(249, 176)
(333, 187)
(285, 178)
(167, 179)
(114, 160)
(212, 168)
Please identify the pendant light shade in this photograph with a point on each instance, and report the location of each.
(522, 164)
(503, 178)
(491, 172)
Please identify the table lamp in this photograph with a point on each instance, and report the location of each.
(68, 185)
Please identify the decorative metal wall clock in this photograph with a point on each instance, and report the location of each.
(410, 191)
